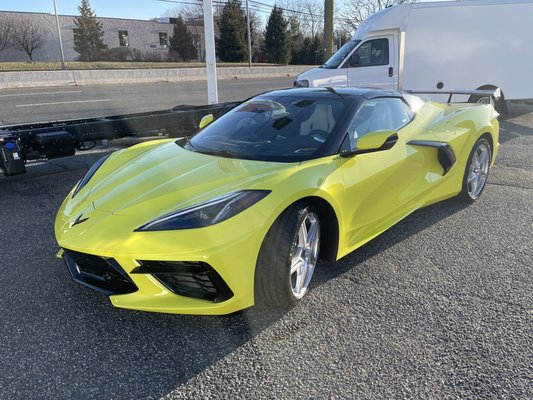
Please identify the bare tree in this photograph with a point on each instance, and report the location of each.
(193, 10)
(6, 31)
(352, 13)
(308, 15)
(28, 36)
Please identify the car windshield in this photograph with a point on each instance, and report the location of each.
(285, 129)
(336, 59)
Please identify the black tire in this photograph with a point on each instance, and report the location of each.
(273, 285)
(467, 194)
(499, 105)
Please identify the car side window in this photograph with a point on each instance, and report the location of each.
(382, 114)
(370, 53)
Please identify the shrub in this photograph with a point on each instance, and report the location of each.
(116, 54)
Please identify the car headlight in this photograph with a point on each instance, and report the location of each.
(208, 213)
(301, 83)
(89, 175)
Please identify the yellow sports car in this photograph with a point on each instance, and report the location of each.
(241, 212)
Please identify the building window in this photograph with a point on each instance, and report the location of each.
(163, 39)
(123, 40)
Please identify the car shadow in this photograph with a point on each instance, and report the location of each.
(149, 355)
(510, 130)
(61, 340)
(75, 344)
(411, 225)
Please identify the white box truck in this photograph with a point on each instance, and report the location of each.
(452, 45)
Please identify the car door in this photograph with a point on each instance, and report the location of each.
(373, 64)
(381, 186)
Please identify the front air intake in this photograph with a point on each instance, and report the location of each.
(188, 278)
(102, 274)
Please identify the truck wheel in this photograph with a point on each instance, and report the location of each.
(500, 105)
(288, 257)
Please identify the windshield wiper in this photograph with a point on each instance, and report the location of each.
(221, 153)
(331, 90)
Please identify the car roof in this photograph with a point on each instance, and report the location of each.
(346, 92)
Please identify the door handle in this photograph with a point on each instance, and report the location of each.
(391, 72)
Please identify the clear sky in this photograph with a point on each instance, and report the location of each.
(135, 9)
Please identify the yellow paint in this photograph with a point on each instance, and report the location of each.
(368, 192)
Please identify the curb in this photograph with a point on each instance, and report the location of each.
(29, 79)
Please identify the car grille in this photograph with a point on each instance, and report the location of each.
(191, 279)
(102, 274)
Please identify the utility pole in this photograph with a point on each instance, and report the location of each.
(210, 58)
(328, 28)
(59, 36)
(249, 36)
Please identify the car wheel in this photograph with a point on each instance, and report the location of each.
(288, 257)
(476, 171)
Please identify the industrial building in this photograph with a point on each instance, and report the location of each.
(148, 37)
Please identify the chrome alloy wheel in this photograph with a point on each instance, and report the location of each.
(478, 170)
(305, 255)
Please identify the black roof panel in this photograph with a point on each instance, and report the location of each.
(346, 92)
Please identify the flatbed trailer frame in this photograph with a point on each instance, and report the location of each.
(23, 142)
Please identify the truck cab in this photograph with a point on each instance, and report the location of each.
(447, 45)
(369, 59)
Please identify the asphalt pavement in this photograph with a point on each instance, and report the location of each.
(439, 306)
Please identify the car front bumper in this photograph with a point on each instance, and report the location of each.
(195, 271)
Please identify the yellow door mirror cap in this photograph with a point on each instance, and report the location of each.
(206, 120)
(373, 140)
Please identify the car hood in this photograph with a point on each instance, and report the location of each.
(167, 178)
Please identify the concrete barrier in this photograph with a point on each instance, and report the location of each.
(23, 79)
(27, 79)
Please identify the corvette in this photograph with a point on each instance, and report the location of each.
(241, 212)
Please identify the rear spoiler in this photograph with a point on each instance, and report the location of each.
(485, 96)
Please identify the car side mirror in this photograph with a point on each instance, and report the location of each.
(373, 141)
(206, 120)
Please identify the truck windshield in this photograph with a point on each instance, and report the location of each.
(336, 59)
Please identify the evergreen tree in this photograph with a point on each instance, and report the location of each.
(231, 43)
(316, 56)
(88, 34)
(308, 52)
(181, 43)
(297, 42)
(277, 38)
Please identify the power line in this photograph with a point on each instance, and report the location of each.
(258, 6)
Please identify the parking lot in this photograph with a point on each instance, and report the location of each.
(439, 306)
